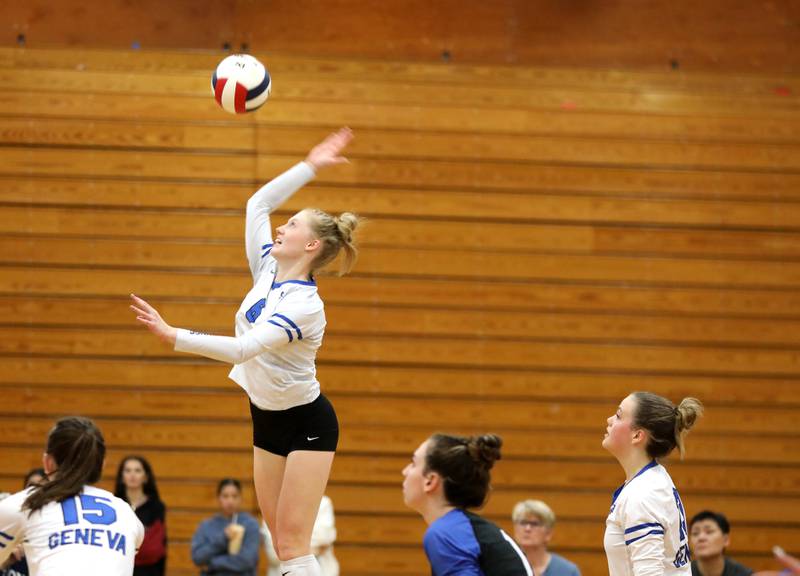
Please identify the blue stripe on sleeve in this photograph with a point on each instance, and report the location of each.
(265, 246)
(2, 545)
(7, 536)
(288, 332)
(292, 324)
(640, 526)
(632, 540)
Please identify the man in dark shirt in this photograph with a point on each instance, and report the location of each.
(709, 536)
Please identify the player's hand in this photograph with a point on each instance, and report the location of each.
(329, 151)
(791, 563)
(229, 531)
(18, 554)
(150, 317)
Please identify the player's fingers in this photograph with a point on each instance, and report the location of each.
(138, 310)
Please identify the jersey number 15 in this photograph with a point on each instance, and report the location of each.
(93, 509)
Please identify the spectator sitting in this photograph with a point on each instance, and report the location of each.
(533, 528)
(709, 535)
(227, 544)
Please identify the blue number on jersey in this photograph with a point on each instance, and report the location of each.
(684, 556)
(255, 310)
(95, 510)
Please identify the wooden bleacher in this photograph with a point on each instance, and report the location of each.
(540, 243)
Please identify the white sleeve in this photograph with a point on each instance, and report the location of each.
(258, 235)
(12, 524)
(138, 529)
(290, 323)
(324, 533)
(232, 349)
(644, 526)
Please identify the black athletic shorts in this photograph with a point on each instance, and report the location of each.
(312, 426)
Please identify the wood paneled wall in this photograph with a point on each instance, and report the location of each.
(722, 35)
(540, 243)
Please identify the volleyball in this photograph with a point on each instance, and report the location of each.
(241, 84)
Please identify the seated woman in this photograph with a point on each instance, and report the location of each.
(533, 529)
(448, 475)
(227, 543)
(709, 535)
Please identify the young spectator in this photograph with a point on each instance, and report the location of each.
(136, 484)
(227, 543)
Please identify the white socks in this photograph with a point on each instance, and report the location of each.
(301, 566)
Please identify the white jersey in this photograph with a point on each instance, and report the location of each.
(279, 326)
(646, 530)
(91, 534)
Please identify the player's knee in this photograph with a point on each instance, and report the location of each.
(290, 544)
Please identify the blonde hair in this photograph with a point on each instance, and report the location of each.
(527, 508)
(666, 423)
(335, 233)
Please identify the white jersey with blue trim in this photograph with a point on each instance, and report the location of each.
(91, 534)
(284, 374)
(646, 533)
(279, 326)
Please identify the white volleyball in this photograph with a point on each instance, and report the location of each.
(241, 84)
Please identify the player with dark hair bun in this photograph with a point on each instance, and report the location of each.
(448, 475)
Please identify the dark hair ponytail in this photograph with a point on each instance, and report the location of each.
(464, 464)
(78, 448)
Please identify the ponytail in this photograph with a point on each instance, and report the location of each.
(686, 415)
(335, 233)
(78, 448)
(665, 423)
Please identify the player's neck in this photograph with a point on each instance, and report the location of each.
(633, 462)
(711, 566)
(435, 509)
(297, 270)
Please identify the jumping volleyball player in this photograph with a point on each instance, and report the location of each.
(646, 531)
(66, 526)
(279, 328)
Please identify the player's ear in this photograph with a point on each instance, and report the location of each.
(49, 463)
(639, 436)
(432, 482)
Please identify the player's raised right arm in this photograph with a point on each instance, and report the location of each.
(258, 235)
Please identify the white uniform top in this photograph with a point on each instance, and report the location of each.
(91, 534)
(646, 527)
(279, 326)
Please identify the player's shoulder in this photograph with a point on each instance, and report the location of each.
(303, 300)
(117, 502)
(653, 486)
(14, 502)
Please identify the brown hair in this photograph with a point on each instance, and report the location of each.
(665, 423)
(464, 464)
(78, 448)
(335, 233)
